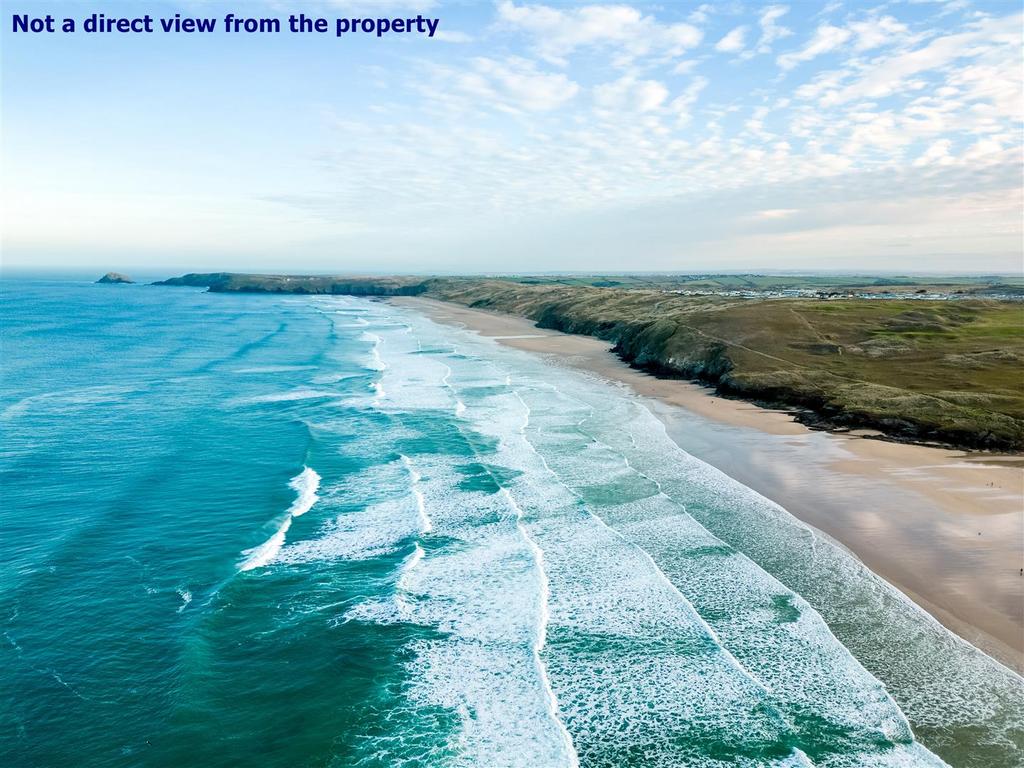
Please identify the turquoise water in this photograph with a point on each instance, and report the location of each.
(325, 531)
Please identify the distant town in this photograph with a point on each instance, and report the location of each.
(1004, 293)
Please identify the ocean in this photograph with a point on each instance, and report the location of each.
(327, 531)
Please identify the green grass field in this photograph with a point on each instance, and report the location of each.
(872, 284)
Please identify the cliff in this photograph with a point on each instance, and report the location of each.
(229, 282)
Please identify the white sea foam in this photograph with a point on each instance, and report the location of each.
(375, 531)
(259, 556)
(305, 484)
(419, 385)
(186, 598)
(775, 656)
(543, 613)
(460, 407)
(482, 599)
(411, 562)
(376, 361)
(482, 596)
(542, 629)
(582, 605)
(421, 507)
(592, 467)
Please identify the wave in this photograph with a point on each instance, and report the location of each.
(289, 396)
(259, 556)
(275, 368)
(421, 508)
(376, 361)
(69, 398)
(186, 598)
(621, 560)
(460, 407)
(305, 484)
(544, 616)
(334, 378)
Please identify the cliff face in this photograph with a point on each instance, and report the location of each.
(227, 282)
(194, 280)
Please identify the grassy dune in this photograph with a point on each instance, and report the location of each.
(943, 371)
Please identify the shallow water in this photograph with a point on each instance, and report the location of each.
(259, 530)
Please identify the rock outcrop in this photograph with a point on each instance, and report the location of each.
(115, 277)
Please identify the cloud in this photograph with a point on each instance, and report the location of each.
(770, 31)
(826, 38)
(453, 36)
(382, 6)
(732, 42)
(777, 213)
(700, 14)
(629, 94)
(514, 84)
(684, 67)
(681, 104)
(557, 33)
(889, 75)
(936, 154)
(876, 32)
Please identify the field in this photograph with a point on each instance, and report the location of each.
(835, 284)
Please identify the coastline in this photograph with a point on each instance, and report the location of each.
(943, 526)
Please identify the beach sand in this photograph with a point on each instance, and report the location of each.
(946, 527)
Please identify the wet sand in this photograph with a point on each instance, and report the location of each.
(946, 527)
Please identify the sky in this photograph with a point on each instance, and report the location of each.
(678, 136)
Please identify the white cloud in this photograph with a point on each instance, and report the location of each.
(629, 94)
(452, 36)
(826, 38)
(557, 33)
(681, 104)
(733, 41)
(988, 150)
(876, 32)
(888, 75)
(777, 213)
(684, 67)
(382, 6)
(700, 14)
(513, 84)
(936, 154)
(770, 30)
(359, 6)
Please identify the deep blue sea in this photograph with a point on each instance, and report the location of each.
(250, 530)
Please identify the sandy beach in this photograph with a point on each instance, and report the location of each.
(946, 527)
